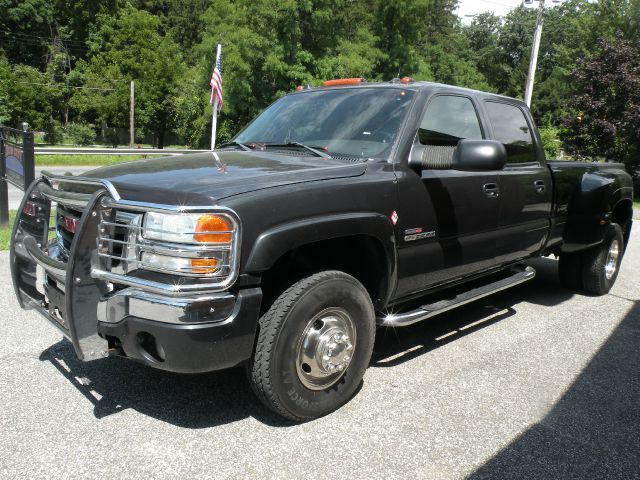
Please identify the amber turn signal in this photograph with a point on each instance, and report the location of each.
(204, 265)
(213, 229)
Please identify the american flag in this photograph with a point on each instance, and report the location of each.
(216, 83)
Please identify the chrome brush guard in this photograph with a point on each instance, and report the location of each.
(65, 279)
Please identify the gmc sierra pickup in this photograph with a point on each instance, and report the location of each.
(337, 210)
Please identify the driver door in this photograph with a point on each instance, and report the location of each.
(455, 213)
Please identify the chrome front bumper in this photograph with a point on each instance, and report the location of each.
(131, 302)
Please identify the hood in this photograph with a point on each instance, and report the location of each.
(203, 177)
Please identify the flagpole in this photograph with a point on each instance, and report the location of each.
(214, 118)
(214, 121)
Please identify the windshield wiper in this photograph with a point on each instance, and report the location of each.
(236, 144)
(312, 149)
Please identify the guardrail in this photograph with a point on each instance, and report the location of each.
(112, 151)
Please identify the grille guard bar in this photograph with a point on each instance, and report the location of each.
(71, 310)
(70, 302)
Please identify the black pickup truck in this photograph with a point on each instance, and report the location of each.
(337, 210)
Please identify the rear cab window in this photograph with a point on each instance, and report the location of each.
(511, 128)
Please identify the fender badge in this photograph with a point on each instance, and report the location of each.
(412, 234)
(394, 217)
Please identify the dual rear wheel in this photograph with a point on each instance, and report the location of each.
(594, 270)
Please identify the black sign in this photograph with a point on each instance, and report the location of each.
(17, 164)
(17, 156)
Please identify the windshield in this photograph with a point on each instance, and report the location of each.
(361, 122)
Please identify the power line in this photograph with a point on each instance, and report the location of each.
(36, 43)
(53, 85)
(105, 79)
(41, 37)
(84, 77)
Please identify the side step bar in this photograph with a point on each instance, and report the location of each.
(430, 310)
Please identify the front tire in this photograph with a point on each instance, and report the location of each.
(313, 347)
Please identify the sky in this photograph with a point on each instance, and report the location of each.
(499, 7)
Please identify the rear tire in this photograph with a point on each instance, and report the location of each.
(600, 265)
(313, 347)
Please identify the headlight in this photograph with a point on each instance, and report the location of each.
(189, 228)
(205, 244)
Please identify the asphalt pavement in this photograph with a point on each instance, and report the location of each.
(15, 194)
(535, 382)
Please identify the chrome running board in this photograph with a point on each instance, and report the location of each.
(436, 308)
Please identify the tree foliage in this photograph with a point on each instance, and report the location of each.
(71, 61)
(607, 104)
(129, 47)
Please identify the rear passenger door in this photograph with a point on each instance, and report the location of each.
(525, 182)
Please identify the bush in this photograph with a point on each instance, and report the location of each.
(551, 141)
(81, 134)
(53, 132)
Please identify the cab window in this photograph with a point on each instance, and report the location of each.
(510, 127)
(447, 120)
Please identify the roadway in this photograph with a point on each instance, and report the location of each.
(112, 151)
(15, 194)
(533, 383)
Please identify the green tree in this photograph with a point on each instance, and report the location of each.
(29, 28)
(126, 47)
(25, 97)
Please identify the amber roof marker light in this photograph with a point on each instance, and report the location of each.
(342, 81)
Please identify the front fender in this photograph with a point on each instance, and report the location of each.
(277, 241)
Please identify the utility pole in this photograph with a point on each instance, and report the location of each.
(533, 62)
(131, 108)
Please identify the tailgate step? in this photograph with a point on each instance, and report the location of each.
(424, 312)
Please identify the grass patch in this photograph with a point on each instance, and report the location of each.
(84, 160)
(5, 232)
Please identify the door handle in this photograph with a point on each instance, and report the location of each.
(539, 186)
(491, 190)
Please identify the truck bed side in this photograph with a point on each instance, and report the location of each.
(587, 196)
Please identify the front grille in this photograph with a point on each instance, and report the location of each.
(64, 235)
(118, 240)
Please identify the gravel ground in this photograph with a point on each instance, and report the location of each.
(536, 382)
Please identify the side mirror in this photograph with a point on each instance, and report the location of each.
(469, 155)
(431, 157)
(479, 155)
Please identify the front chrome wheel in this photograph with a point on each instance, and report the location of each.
(325, 348)
(611, 264)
